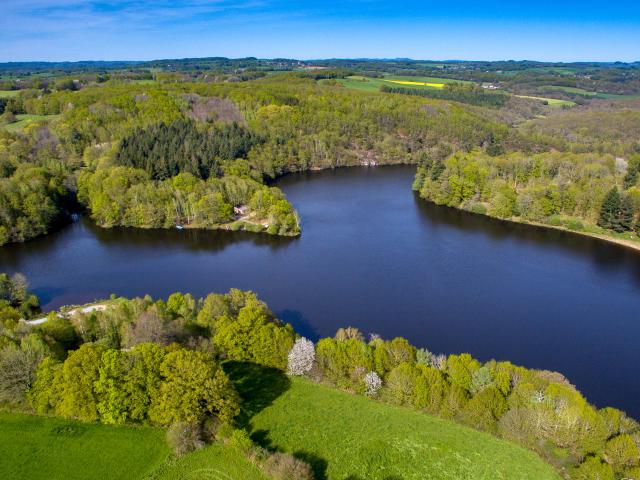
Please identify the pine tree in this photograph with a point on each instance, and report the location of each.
(610, 208)
(625, 216)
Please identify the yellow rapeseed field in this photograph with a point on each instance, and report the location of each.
(422, 84)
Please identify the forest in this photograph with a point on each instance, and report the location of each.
(167, 362)
(170, 149)
(577, 191)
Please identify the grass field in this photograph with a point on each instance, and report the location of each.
(553, 102)
(587, 93)
(34, 448)
(8, 93)
(214, 462)
(348, 436)
(26, 119)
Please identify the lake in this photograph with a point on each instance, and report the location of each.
(374, 256)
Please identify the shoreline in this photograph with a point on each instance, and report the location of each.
(629, 244)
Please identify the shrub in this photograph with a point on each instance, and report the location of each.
(184, 437)
(283, 466)
(240, 440)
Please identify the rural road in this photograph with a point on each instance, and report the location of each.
(91, 308)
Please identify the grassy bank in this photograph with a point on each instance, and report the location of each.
(347, 436)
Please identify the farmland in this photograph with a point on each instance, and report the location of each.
(370, 84)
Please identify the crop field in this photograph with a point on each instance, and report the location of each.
(420, 84)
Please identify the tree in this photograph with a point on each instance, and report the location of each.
(149, 327)
(485, 408)
(301, 357)
(621, 452)
(460, 370)
(344, 362)
(80, 371)
(46, 391)
(388, 355)
(610, 209)
(18, 368)
(625, 218)
(592, 468)
(192, 387)
(255, 336)
(633, 170)
(372, 384)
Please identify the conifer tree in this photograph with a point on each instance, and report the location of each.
(625, 216)
(610, 208)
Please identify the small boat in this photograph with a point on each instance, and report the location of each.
(179, 227)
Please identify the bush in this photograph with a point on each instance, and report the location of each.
(478, 208)
(240, 440)
(283, 466)
(574, 224)
(184, 437)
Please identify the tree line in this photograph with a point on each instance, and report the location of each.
(463, 93)
(578, 191)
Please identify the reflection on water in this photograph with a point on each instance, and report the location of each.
(374, 256)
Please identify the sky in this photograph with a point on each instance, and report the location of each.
(545, 30)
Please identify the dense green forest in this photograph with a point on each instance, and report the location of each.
(578, 191)
(166, 362)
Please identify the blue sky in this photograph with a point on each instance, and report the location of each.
(460, 29)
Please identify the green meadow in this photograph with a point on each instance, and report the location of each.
(45, 448)
(552, 102)
(23, 120)
(347, 436)
(8, 93)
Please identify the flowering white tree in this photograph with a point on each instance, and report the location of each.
(372, 383)
(301, 357)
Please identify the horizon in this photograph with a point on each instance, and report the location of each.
(309, 60)
(130, 30)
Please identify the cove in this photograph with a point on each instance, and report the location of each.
(375, 256)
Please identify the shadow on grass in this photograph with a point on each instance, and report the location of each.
(356, 477)
(258, 387)
(318, 464)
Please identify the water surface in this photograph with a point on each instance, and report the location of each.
(374, 256)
